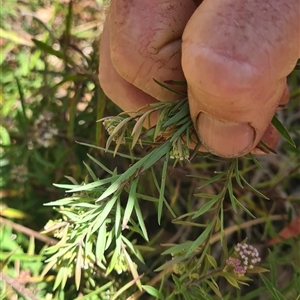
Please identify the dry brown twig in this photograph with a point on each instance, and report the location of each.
(28, 231)
(17, 286)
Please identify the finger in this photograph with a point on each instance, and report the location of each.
(122, 93)
(236, 56)
(284, 98)
(270, 137)
(146, 42)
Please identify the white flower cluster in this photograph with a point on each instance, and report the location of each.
(44, 132)
(19, 173)
(245, 257)
(179, 150)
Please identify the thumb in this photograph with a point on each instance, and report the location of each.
(236, 56)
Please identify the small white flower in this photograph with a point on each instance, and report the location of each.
(44, 131)
(19, 173)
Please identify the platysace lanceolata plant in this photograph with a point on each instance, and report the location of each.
(102, 219)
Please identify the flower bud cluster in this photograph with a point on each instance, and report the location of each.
(110, 125)
(179, 150)
(245, 257)
(19, 173)
(44, 130)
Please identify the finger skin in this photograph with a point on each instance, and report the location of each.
(145, 42)
(236, 56)
(110, 79)
(122, 93)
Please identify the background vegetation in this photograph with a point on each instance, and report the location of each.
(50, 102)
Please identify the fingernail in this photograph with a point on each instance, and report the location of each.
(222, 138)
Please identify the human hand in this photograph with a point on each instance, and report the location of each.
(234, 54)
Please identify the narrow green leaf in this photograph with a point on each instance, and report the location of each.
(155, 156)
(109, 151)
(230, 279)
(120, 129)
(197, 243)
(211, 260)
(257, 270)
(212, 284)
(213, 179)
(85, 205)
(61, 278)
(140, 219)
(206, 207)
(94, 177)
(176, 82)
(113, 260)
(176, 280)
(49, 266)
(89, 215)
(282, 130)
(134, 227)
(231, 195)
(130, 203)
(69, 19)
(71, 216)
(237, 172)
(159, 124)
(48, 49)
(203, 195)
(178, 248)
(133, 249)
(133, 268)
(171, 262)
(158, 189)
(244, 208)
(125, 287)
(275, 293)
(256, 162)
(177, 105)
(153, 292)
(253, 189)
(96, 292)
(22, 99)
(162, 189)
(253, 295)
(90, 186)
(100, 244)
(100, 164)
(168, 88)
(147, 198)
(62, 202)
(117, 217)
(188, 223)
(273, 266)
(105, 212)
(138, 127)
(182, 113)
(79, 264)
(222, 226)
(5, 260)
